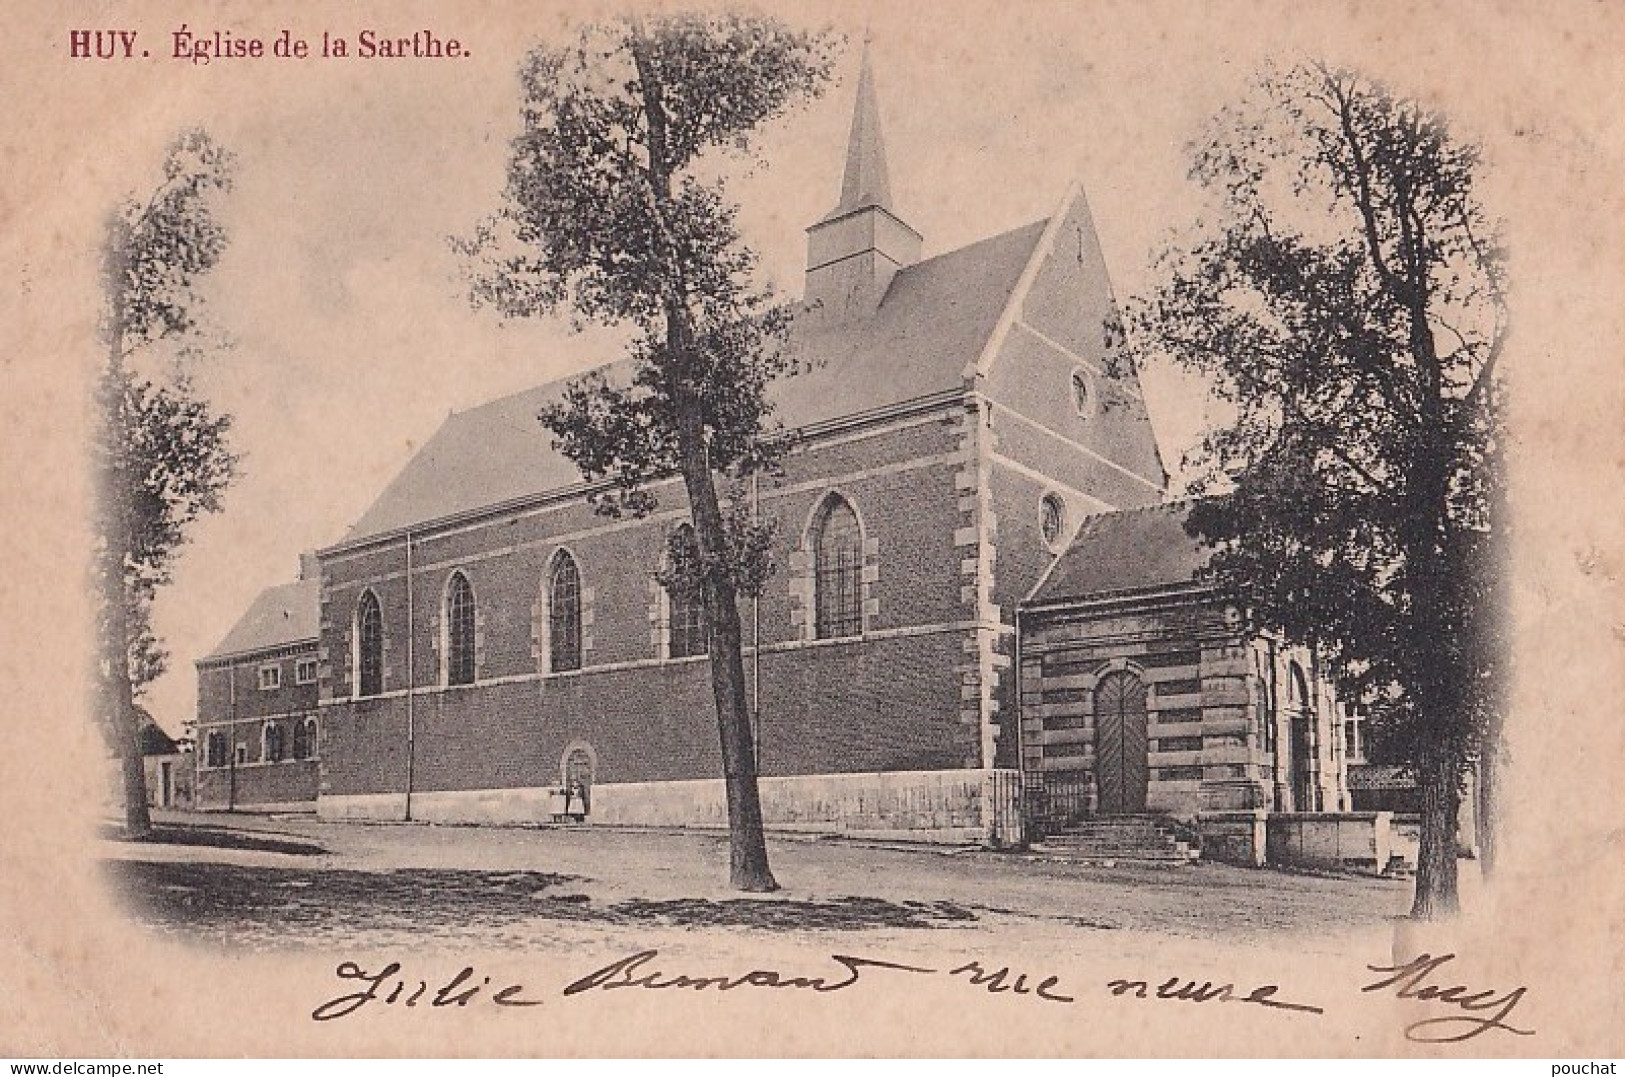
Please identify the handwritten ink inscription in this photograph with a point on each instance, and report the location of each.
(1412, 982)
(460, 990)
(1476, 1011)
(636, 971)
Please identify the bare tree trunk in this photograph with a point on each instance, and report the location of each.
(748, 867)
(113, 504)
(1436, 894)
(1488, 806)
(119, 695)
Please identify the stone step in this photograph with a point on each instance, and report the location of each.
(1126, 838)
(1141, 856)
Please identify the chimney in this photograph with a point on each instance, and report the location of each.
(309, 568)
(853, 253)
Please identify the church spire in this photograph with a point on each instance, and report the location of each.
(857, 248)
(867, 182)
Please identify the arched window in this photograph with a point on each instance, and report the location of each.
(1052, 519)
(1083, 394)
(1301, 741)
(304, 738)
(838, 572)
(459, 630)
(273, 746)
(686, 624)
(369, 631)
(564, 614)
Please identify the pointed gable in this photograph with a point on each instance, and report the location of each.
(1058, 332)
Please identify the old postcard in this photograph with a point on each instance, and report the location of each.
(970, 529)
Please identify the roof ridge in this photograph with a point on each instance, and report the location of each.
(1153, 506)
(562, 378)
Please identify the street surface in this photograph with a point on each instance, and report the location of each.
(293, 882)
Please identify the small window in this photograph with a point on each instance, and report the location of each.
(241, 755)
(304, 671)
(1354, 736)
(1052, 519)
(304, 739)
(270, 677)
(274, 747)
(215, 750)
(1083, 394)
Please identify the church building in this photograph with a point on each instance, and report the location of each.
(984, 609)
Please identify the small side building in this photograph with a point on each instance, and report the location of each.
(1143, 691)
(168, 769)
(257, 717)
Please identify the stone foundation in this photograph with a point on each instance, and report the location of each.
(954, 806)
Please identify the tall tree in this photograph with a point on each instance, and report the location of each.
(1347, 296)
(618, 214)
(160, 454)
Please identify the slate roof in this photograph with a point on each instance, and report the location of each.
(154, 741)
(934, 319)
(287, 613)
(1123, 552)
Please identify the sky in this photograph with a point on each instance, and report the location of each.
(353, 334)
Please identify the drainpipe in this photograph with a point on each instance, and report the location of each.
(231, 736)
(411, 682)
(1273, 729)
(1021, 721)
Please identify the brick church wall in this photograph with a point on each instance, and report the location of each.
(880, 703)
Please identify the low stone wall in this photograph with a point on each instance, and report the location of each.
(957, 806)
(1330, 839)
(1406, 842)
(1234, 837)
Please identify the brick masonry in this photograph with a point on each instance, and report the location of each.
(876, 703)
(232, 705)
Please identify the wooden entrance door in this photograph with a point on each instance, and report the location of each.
(1121, 772)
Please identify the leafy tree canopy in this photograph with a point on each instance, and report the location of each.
(1347, 298)
(617, 213)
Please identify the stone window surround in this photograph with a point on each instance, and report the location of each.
(542, 621)
(440, 631)
(802, 572)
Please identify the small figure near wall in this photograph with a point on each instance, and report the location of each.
(578, 801)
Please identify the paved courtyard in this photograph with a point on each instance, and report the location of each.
(276, 882)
